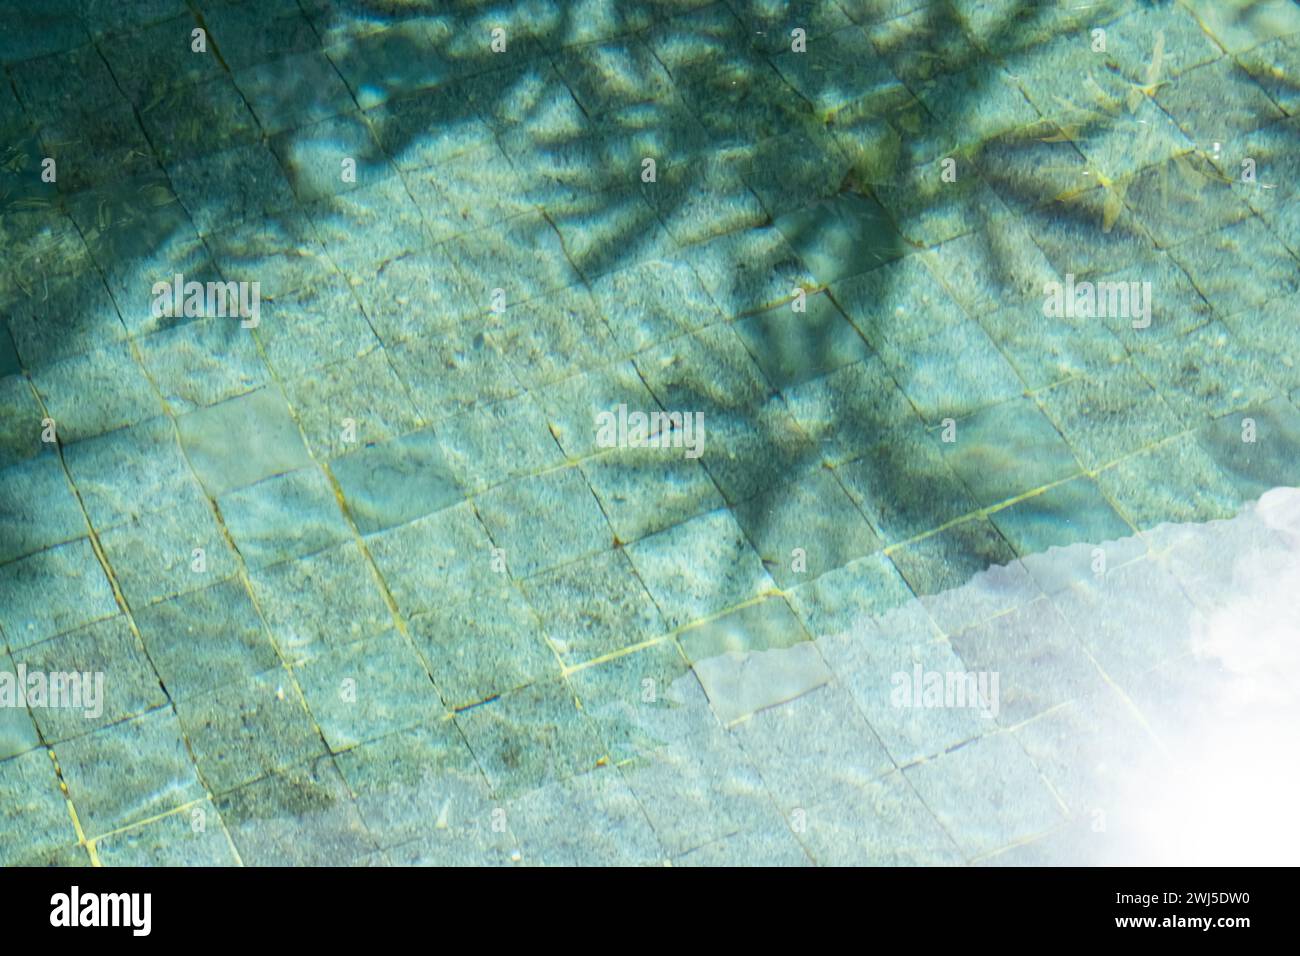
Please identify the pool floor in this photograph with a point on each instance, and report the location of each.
(826, 433)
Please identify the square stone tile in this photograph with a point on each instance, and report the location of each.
(547, 339)
(994, 267)
(34, 812)
(1131, 42)
(478, 189)
(53, 591)
(617, 73)
(1058, 533)
(417, 560)
(496, 443)
(806, 528)
(37, 507)
(367, 690)
(188, 837)
(530, 737)
(96, 392)
(852, 410)
(1145, 491)
(1091, 749)
(481, 640)
(247, 179)
(1044, 353)
(299, 816)
(1002, 107)
(642, 491)
(749, 270)
(818, 72)
(312, 326)
(703, 198)
(1210, 373)
(886, 824)
(455, 372)
(1240, 26)
(331, 157)
(1267, 462)
(905, 487)
(423, 785)
(726, 570)
(574, 405)
(390, 62)
(793, 347)
(859, 592)
(1268, 65)
(653, 301)
(1177, 306)
(953, 373)
(1078, 237)
(242, 440)
(1238, 267)
(795, 170)
(294, 92)
(928, 209)
(1006, 450)
(394, 482)
(281, 252)
(885, 662)
(202, 363)
(1038, 663)
(245, 31)
(594, 606)
(748, 451)
(615, 229)
(1109, 415)
(986, 794)
(168, 553)
(148, 60)
(523, 515)
(643, 700)
(420, 130)
(965, 573)
(900, 303)
(205, 639)
(115, 679)
(130, 472)
(244, 731)
(18, 732)
(129, 772)
(753, 658)
(284, 517)
(814, 749)
(710, 369)
(523, 256)
(1161, 194)
(183, 121)
(842, 236)
(588, 820)
(1125, 634)
(352, 403)
(327, 600)
(20, 434)
(700, 790)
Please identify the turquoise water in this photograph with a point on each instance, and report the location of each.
(849, 432)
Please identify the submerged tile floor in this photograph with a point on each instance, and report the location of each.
(366, 589)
